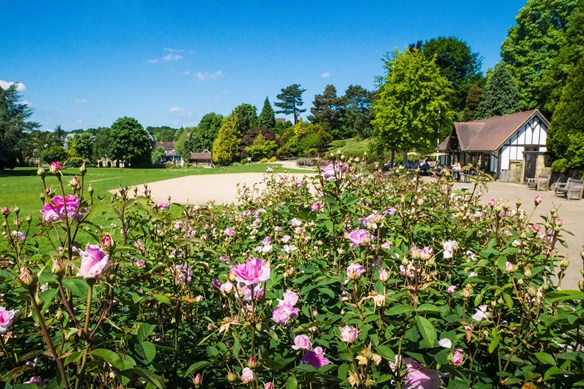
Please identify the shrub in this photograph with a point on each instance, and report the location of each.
(560, 166)
(264, 160)
(243, 161)
(74, 162)
(273, 159)
(55, 154)
(351, 278)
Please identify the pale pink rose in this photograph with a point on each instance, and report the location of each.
(538, 199)
(315, 358)
(245, 292)
(283, 313)
(451, 289)
(355, 271)
(359, 237)
(285, 239)
(508, 266)
(55, 167)
(295, 223)
(445, 342)
(390, 211)
(179, 225)
(269, 385)
(535, 228)
(162, 205)
(290, 298)
(19, 236)
(6, 319)
(229, 231)
(302, 342)
(252, 272)
(349, 334)
(422, 379)
(386, 246)
(457, 357)
(266, 241)
(316, 206)
(140, 263)
(481, 313)
(449, 247)
(383, 275)
(59, 208)
(331, 171)
(247, 375)
(227, 287)
(94, 262)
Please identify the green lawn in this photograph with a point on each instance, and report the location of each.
(21, 187)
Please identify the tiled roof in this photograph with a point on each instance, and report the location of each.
(488, 134)
(206, 156)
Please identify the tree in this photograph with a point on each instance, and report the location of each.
(129, 142)
(411, 108)
(556, 78)
(566, 131)
(162, 133)
(206, 132)
(358, 112)
(473, 99)
(246, 118)
(328, 111)
(14, 126)
(532, 45)
(184, 144)
(250, 136)
(226, 146)
(55, 153)
(457, 63)
(101, 143)
(267, 117)
(81, 145)
(157, 155)
(291, 101)
(500, 96)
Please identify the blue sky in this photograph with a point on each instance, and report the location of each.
(84, 64)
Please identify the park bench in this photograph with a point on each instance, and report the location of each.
(541, 182)
(571, 189)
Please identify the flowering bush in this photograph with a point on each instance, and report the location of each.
(353, 278)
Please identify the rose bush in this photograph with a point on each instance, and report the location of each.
(353, 278)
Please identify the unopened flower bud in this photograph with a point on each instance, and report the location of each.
(564, 263)
(107, 242)
(16, 210)
(197, 379)
(231, 376)
(5, 211)
(518, 203)
(27, 278)
(83, 169)
(41, 172)
(383, 275)
(57, 268)
(527, 272)
(90, 190)
(74, 182)
(28, 219)
(252, 362)
(55, 167)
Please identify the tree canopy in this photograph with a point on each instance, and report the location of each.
(411, 108)
(328, 110)
(226, 146)
(14, 124)
(291, 101)
(129, 142)
(500, 95)
(267, 117)
(531, 46)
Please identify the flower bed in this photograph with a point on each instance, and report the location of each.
(352, 278)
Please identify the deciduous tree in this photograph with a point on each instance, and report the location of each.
(226, 146)
(291, 101)
(129, 142)
(411, 108)
(500, 96)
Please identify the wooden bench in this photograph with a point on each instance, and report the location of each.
(571, 189)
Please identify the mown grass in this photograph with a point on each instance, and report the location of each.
(22, 187)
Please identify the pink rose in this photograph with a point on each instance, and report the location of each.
(254, 271)
(283, 313)
(359, 237)
(55, 167)
(538, 199)
(247, 375)
(59, 208)
(6, 319)
(451, 289)
(74, 182)
(290, 298)
(457, 357)
(269, 385)
(355, 271)
(418, 378)
(330, 171)
(229, 231)
(94, 262)
(162, 205)
(349, 334)
(315, 358)
(383, 275)
(302, 342)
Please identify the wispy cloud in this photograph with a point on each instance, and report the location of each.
(203, 76)
(20, 87)
(172, 55)
(80, 101)
(179, 111)
(325, 75)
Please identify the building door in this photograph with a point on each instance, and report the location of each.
(530, 164)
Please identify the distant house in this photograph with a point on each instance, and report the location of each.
(512, 147)
(203, 158)
(170, 154)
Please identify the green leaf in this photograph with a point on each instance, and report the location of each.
(329, 225)
(427, 330)
(399, 310)
(196, 367)
(428, 308)
(552, 371)
(155, 379)
(545, 358)
(77, 286)
(146, 350)
(564, 295)
(162, 298)
(7, 275)
(385, 352)
(73, 357)
(110, 357)
(342, 372)
(292, 382)
(144, 331)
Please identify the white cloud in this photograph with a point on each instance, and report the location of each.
(325, 75)
(186, 73)
(203, 76)
(179, 111)
(20, 87)
(80, 101)
(153, 61)
(172, 57)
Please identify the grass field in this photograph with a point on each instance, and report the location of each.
(22, 187)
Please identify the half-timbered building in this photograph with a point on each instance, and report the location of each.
(511, 147)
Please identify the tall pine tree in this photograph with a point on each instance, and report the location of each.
(291, 101)
(500, 96)
(267, 117)
(327, 111)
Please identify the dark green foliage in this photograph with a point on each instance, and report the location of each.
(291, 101)
(267, 117)
(55, 154)
(282, 126)
(302, 137)
(566, 132)
(13, 126)
(411, 108)
(81, 145)
(473, 98)
(157, 155)
(206, 132)
(531, 46)
(457, 63)
(129, 142)
(328, 111)
(500, 96)
(101, 142)
(357, 111)
(247, 118)
(250, 137)
(163, 133)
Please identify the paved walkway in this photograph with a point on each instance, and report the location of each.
(222, 188)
